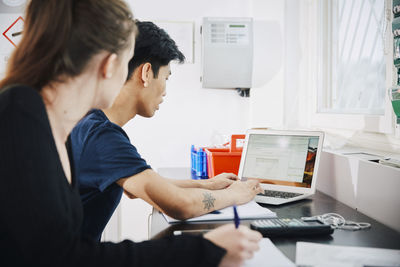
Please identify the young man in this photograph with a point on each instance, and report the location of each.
(108, 164)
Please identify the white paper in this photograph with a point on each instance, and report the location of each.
(268, 255)
(249, 210)
(316, 255)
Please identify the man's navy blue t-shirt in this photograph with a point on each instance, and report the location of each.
(102, 154)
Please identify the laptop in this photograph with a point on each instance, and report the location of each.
(285, 163)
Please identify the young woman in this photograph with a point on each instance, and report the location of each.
(72, 56)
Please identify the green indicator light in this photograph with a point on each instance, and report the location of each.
(236, 26)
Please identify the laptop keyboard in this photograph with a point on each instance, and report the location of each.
(278, 194)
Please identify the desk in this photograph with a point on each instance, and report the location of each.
(378, 235)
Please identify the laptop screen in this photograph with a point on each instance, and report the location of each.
(281, 159)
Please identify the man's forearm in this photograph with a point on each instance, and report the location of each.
(220, 181)
(183, 199)
(203, 201)
(188, 183)
(186, 203)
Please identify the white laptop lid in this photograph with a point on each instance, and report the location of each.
(282, 160)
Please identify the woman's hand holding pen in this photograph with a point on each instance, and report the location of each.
(243, 192)
(240, 243)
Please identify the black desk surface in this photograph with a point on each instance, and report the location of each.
(379, 235)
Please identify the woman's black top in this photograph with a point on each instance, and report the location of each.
(41, 213)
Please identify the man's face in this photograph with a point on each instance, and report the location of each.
(155, 91)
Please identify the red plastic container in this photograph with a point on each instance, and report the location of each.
(221, 160)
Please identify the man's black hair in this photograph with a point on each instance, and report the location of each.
(153, 45)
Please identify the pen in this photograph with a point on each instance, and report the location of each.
(196, 231)
(236, 217)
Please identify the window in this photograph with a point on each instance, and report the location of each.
(355, 65)
(353, 80)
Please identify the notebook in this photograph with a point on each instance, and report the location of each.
(285, 163)
(250, 210)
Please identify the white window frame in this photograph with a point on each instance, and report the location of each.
(358, 122)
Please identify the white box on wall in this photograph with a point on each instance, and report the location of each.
(227, 52)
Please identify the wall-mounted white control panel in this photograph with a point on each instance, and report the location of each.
(227, 52)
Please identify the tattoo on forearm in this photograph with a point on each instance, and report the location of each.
(208, 201)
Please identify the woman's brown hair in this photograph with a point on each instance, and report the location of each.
(61, 36)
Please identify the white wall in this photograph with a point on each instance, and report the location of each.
(267, 100)
(189, 114)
